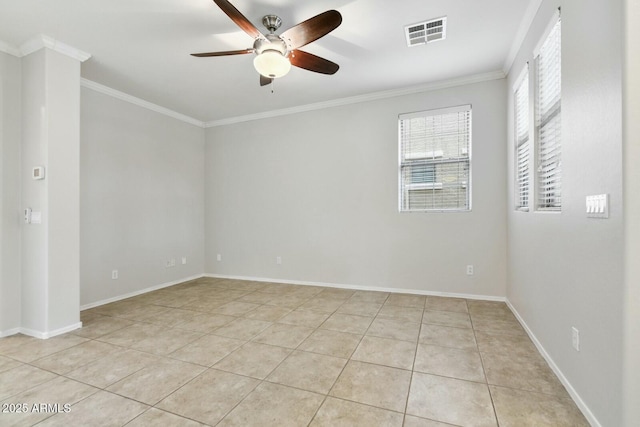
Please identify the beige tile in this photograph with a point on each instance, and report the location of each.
(283, 335)
(406, 300)
(529, 373)
(14, 342)
(144, 311)
(336, 293)
(323, 305)
(72, 358)
(395, 329)
(494, 324)
(242, 329)
(308, 371)
(205, 304)
(450, 400)
(60, 392)
(101, 409)
(447, 304)
(332, 343)
(292, 408)
(447, 337)
(269, 313)
(22, 378)
(205, 323)
(306, 318)
(236, 308)
(124, 308)
(374, 385)
(156, 417)
(341, 413)
(253, 360)
(385, 351)
(360, 308)
(516, 408)
(133, 334)
(370, 296)
(449, 362)
(411, 421)
(35, 349)
(209, 397)
(171, 317)
(447, 318)
(409, 314)
(7, 363)
(256, 297)
(491, 308)
(494, 342)
(100, 325)
(347, 323)
(168, 341)
(112, 368)
(207, 350)
(288, 301)
(156, 381)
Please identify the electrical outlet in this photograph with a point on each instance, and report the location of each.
(184, 260)
(167, 263)
(469, 270)
(575, 338)
(278, 260)
(219, 257)
(114, 274)
(173, 262)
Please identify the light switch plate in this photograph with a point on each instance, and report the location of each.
(597, 206)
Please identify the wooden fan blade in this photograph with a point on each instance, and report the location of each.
(223, 53)
(312, 29)
(311, 62)
(239, 19)
(265, 80)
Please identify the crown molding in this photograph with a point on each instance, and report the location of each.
(523, 29)
(89, 84)
(495, 75)
(43, 41)
(9, 49)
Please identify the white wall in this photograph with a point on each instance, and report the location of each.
(320, 189)
(10, 113)
(565, 269)
(631, 150)
(141, 198)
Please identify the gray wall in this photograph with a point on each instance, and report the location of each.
(320, 189)
(10, 218)
(631, 154)
(141, 198)
(566, 269)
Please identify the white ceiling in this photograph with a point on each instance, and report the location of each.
(142, 47)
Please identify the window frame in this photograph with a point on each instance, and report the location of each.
(403, 188)
(524, 76)
(539, 204)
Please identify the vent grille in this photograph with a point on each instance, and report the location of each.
(426, 32)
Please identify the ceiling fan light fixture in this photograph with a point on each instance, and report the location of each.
(272, 63)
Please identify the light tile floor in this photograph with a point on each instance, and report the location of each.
(238, 353)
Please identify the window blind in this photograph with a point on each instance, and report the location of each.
(522, 150)
(435, 153)
(548, 121)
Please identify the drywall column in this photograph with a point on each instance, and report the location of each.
(631, 184)
(9, 194)
(51, 248)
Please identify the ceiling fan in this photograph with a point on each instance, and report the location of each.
(275, 54)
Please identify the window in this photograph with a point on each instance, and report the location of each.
(522, 149)
(548, 121)
(435, 153)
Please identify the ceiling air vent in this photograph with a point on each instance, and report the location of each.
(426, 32)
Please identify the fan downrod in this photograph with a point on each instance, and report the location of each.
(271, 22)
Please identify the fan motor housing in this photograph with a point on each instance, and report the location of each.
(271, 42)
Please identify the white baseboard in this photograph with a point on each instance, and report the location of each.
(9, 332)
(139, 292)
(40, 334)
(572, 391)
(359, 288)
